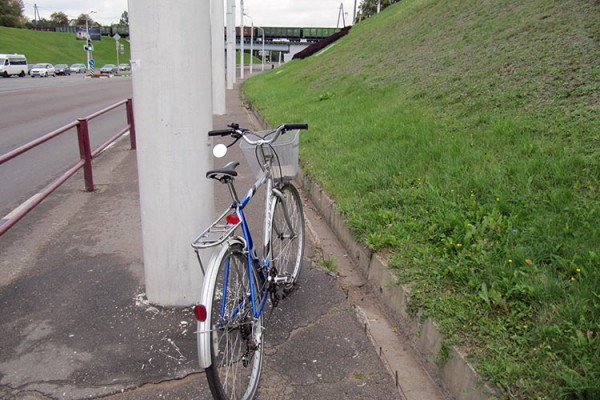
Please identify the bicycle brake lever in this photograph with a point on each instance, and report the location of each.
(237, 138)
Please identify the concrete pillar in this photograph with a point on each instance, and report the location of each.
(230, 43)
(242, 39)
(218, 53)
(172, 95)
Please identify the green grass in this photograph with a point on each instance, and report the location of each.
(255, 60)
(63, 48)
(59, 47)
(328, 264)
(462, 139)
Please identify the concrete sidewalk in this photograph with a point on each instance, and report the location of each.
(76, 324)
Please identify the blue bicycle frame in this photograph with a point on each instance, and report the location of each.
(251, 259)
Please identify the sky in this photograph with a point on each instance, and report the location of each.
(300, 13)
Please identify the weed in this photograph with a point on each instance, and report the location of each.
(359, 376)
(328, 264)
(444, 353)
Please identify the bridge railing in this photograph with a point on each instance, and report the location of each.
(85, 161)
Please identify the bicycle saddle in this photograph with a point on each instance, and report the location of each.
(225, 173)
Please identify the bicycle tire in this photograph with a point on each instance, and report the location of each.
(287, 245)
(237, 348)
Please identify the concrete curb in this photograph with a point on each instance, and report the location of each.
(455, 374)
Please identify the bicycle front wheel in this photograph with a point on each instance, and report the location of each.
(236, 336)
(287, 235)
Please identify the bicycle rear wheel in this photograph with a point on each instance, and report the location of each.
(287, 235)
(236, 336)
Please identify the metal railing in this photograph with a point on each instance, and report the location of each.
(85, 162)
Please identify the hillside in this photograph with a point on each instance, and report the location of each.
(58, 47)
(461, 140)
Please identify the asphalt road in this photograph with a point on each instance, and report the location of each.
(32, 107)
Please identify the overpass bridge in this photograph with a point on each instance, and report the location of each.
(284, 41)
(287, 50)
(287, 40)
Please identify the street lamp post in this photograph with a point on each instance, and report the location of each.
(262, 55)
(242, 39)
(251, 40)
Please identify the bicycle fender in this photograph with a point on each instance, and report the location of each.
(208, 286)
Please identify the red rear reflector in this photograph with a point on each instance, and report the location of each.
(233, 219)
(200, 312)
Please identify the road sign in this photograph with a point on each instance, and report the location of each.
(116, 36)
(92, 62)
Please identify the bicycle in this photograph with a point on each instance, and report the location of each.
(237, 282)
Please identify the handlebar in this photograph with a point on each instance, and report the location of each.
(290, 127)
(221, 132)
(236, 132)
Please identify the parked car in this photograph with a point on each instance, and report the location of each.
(29, 68)
(42, 70)
(13, 64)
(124, 67)
(78, 68)
(109, 69)
(62, 69)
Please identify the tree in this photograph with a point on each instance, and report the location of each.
(82, 18)
(368, 8)
(59, 19)
(124, 18)
(11, 13)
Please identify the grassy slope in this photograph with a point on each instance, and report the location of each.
(63, 48)
(58, 47)
(255, 60)
(462, 138)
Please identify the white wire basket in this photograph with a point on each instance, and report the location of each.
(285, 162)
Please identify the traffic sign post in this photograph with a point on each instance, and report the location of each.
(89, 47)
(116, 36)
(91, 63)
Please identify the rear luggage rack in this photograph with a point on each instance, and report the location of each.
(218, 232)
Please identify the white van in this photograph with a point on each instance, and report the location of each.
(13, 64)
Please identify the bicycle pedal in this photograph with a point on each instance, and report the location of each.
(278, 280)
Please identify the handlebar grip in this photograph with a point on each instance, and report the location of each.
(289, 127)
(221, 132)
